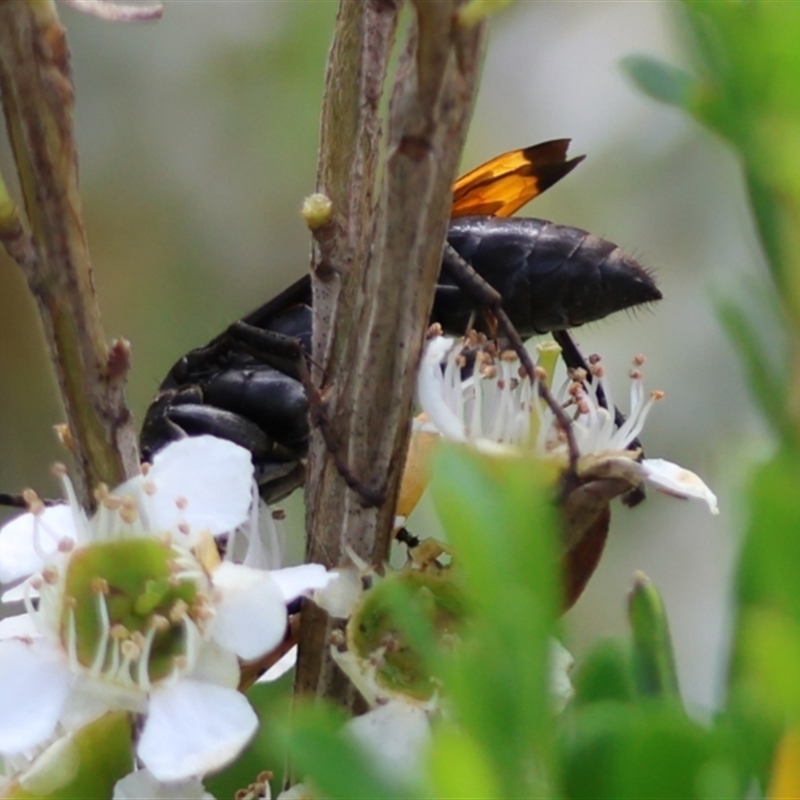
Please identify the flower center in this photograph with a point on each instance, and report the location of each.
(130, 609)
(377, 633)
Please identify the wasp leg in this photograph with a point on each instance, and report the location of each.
(276, 350)
(471, 282)
(287, 354)
(574, 359)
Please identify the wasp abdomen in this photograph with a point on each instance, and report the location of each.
(551, 277)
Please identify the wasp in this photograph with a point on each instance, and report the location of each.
(246, 384)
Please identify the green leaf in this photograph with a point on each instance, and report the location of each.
(653, 659)
(604, 674)
(660, 80)
(767, 382)
(771, 552)
(499, 515)
(458, 766)
(87, 763)
(619, 751)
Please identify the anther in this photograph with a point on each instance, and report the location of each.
(130, 650)
(658, 394)
(160, 623)
(65, 545)
(435, 330)
(33, 501)
(149, 487)
(178, 611)
(50, 575)
(639, 360)
(181, 502)
(119, 632)
(183, 527)
(145, 469)
(278, 513)
(58, 470)
(100, 586)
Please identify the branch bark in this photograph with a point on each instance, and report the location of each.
(375, 268)
(38, 97)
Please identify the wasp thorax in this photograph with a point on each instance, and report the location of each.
(133, 610)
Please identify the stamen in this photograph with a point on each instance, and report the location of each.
(72, 641)
(192, 643)
(50, 575)
(130, 652)
(143, 667)
(105, 627)
(178, 611)
(33, 501)
(129, 510)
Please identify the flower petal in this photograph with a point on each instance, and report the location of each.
(395, 736)
(216, 664)
(20, 626)
(340, 597)
(203, 482)
(677, 481)
(194, 728)
(18, 593)
(297, 581)
(141, 784)
(29, 538)
(561, 664)
(34, 685)
(250, 617)
(430, 391)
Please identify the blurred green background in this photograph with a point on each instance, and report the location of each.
(198, 140)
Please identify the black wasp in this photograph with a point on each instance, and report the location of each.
(245, 384)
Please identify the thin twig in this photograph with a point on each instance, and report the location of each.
(38, 96)
(375, 267)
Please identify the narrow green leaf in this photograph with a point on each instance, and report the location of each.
(618, 752)
(604, 674)
(459, 768)
(766, 382)
(653, 659)
(660, 80)
(499, 515)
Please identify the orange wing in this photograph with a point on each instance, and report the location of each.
(504, 184)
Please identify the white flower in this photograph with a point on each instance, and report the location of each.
(395, 737)
(141, 785)
(498, 411)
(561, 664)
(137, 612)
